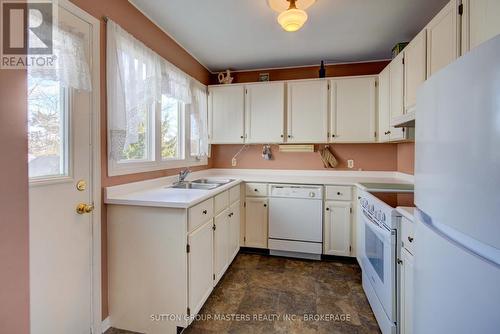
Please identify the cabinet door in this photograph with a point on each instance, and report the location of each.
(384, 105)
(337, 229)
(234, 229)
(307, 111)
(221, 244)
(397, 93)
(483, 20)
(443, 38)
(200, 267)
(256, 222)
(406, 292)
(415, 67)
(226, 109)
(265, 113)
(353, 106)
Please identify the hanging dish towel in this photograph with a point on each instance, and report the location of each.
(329, 160)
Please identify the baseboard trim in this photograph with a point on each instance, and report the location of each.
(341, 259)
(105, 325)
(251, 250)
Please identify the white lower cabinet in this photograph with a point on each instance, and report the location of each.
(337, 228)
(200, 267)
(234, 229)
(221, 244)
(406, 291)
(256, 222)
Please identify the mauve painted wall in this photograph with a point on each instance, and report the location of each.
(374, 157)
(406, 158)
(14, 223)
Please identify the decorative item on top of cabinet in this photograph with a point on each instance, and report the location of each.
(480, 22)
(263, 77)
(353, 109)
(322, 70)
(307, 111)
(225, 78)
(265, 112)
(443, 38)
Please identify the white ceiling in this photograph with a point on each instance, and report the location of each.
(244, 34)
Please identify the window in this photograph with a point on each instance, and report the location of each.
(149, 99)
(48, 122)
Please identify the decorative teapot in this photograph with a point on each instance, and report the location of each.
(225, 79)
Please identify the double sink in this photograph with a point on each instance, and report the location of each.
(201, 184)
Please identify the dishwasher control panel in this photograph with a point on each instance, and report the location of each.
(296, 191)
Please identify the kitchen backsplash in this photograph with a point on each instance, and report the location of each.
(373, 157)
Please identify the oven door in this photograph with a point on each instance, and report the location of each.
(379, 263)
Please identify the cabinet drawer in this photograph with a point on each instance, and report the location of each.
(256, 189)
(221, 202)
(200, 213)
(234, 194)
(339, 193)
(408, 235)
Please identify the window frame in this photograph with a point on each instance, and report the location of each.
(157, 163)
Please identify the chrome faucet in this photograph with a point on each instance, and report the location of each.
(183, 174)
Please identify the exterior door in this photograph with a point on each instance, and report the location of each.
(353, 105)
(307, 111)
(60, 169)
(226, 109)
(256, 222)
(265, 113)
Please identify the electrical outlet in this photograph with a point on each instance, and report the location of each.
(233, 162)
(350, 163)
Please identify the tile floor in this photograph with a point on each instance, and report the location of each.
(273, 287)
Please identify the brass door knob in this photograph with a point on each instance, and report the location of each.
(83, 208)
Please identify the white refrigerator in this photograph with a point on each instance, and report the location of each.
(457, 192)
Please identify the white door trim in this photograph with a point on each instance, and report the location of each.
(94, 63)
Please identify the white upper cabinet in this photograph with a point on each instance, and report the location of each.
(397, 93)
(481, 21)
(265, 113)
(307, 111)
(415, 68)
(226, 110)
(353, 110)
(384, 105)
(443, 38)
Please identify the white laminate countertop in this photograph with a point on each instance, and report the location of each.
(407, 211)
(157, 193)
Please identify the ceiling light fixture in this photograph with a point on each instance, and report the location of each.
(293, 18)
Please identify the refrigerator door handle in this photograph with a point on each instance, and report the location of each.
(470, 245)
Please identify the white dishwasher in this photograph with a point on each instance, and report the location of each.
(296, 220)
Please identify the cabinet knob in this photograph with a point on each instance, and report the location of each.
(333, 136)
(282, 136)
(289, 136)
(387, 133)
(205, 212)
(400, 261)
(265, 205)
(410, 239)
(339, 193)
(241, 137)
(256, 190)
(327, 209)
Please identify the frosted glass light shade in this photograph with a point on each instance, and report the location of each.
(292, 19)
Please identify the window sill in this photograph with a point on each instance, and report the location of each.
(116, 169)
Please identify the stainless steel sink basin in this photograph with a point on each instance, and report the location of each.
(191, 185)
(212, 181)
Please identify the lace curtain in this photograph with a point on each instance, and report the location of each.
(136, 79)
(198, 117)
(70, 68)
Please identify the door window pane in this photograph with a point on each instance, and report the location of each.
(170, 128)
(47, 128)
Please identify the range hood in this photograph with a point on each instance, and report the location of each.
(407, 120)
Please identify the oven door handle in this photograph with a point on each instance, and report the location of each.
(381, 232)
